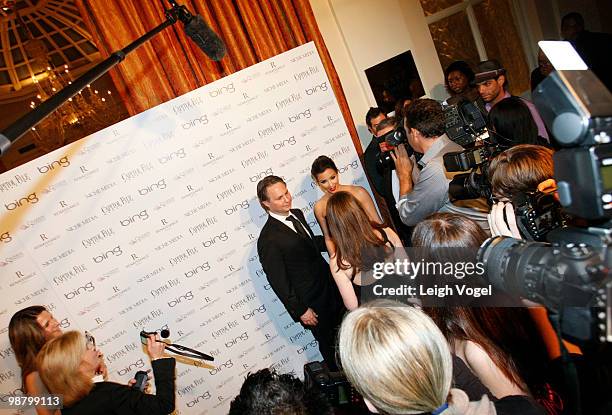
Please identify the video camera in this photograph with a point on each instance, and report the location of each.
(573, 269)
(466, 126)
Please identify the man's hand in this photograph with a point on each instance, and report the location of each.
(403, 168)
(309, 318)
(498, 224)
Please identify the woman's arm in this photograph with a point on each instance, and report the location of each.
(368, 204)
(344, 285)
(395, 240)
(320, 215)
(35, 387)
(489, 374)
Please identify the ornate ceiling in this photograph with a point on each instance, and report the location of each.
(35, 34)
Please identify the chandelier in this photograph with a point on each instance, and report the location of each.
(87, 112)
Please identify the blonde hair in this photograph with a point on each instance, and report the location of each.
(396, 357)
(59, 367)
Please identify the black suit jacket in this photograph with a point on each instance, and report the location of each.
(112, 398)
(295, 269)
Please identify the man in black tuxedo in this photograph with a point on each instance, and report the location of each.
(290, 255)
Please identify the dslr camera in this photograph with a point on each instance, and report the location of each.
(538, 213)
(335, 387)
(392, 139)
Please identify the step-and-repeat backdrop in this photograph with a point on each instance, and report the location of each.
(153, 223)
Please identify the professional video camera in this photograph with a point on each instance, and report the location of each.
(466, 126)
(335, 387)
(392, 139)
(574, 268)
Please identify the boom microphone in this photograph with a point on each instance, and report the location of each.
(203, 36)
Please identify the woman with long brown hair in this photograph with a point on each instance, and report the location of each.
(501, 346)
(29, 329)
(353, 233)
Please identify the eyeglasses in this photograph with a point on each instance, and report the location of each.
(90, 341)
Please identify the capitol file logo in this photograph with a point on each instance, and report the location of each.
(116, 251)
(259, 310)
(139, 364)
(139, 217)
(314, 89)
(87, 288)
(300, 116)
(6, 237)
(63, 162)
(160, 185)
(29, 199)
(229, 88)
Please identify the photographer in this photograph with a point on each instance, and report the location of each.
(423, 185)
(520, 169)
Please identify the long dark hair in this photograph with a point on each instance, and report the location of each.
(352, 232)
(27, 338)
(509, 336)
(512, 123)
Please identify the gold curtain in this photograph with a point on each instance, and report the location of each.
(170, 64)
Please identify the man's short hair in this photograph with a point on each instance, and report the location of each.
(262, 187)
(520, 169)
(268, 393)
(372, 113)
(386, 123)
(426, 116)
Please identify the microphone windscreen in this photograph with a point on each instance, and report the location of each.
(205, 38)
(165, 333)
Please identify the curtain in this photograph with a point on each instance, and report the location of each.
(170, 65)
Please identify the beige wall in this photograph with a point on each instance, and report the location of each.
(361, 33)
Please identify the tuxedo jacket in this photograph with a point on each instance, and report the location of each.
(295, 269)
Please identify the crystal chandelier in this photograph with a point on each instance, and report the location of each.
(87, 112)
